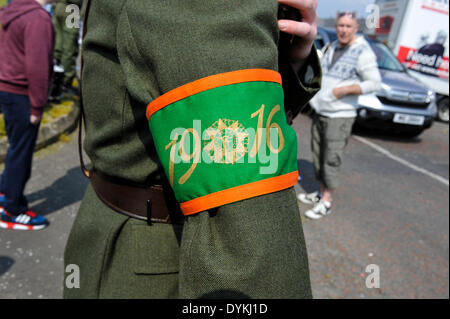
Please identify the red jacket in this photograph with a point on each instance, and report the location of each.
(26, 51)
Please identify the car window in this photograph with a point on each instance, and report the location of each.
(385, 58)
(332, 36)
(323, 37)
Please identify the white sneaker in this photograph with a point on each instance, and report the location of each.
(311, 198)
(318, 211)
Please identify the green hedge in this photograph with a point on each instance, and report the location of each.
(3, 2)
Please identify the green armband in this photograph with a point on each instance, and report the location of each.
(224, 138)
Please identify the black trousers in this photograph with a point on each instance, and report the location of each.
(22, 137)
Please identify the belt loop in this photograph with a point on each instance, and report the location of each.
(149, 212)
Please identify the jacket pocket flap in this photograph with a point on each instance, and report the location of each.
(157, 249)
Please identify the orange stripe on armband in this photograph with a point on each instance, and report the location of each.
(239, 193)
(211, 82)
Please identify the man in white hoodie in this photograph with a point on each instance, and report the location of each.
(349, 69)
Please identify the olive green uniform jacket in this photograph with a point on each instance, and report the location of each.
(133, 52)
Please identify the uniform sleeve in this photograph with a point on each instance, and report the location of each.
(218, 71)
(163, 47)
(299, 88)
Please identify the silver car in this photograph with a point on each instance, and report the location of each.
(403, 105)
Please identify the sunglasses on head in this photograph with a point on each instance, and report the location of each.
(347, 13)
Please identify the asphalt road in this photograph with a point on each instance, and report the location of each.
(386, 213)
(31, 263)
(392, 210)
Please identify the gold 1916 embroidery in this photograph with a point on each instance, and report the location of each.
(222, 155)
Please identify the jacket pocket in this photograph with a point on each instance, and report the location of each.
(156, 249)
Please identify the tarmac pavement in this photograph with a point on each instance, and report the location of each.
(385, 214)
(31, 263)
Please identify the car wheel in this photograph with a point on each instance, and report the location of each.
(443, 114)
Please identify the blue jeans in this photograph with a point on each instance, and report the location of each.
(22, 137)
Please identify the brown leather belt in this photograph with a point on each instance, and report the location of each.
(147, 204)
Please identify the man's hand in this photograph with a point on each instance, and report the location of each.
(339, 92)
(35, 119)
(342, 91)
(304, 31)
